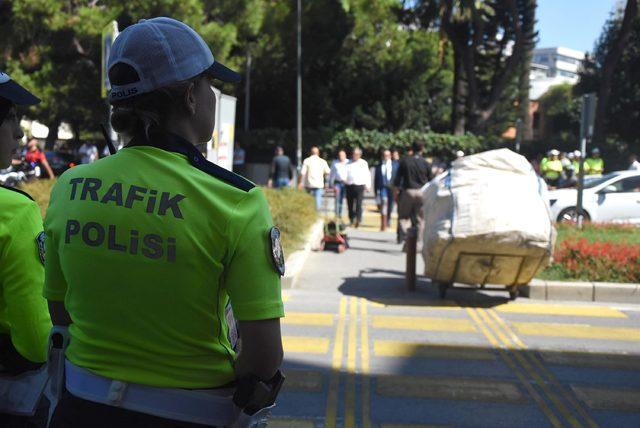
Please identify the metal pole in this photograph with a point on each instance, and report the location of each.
(299, 92)
(589, 102)
(247, 92)
(411, 244)
(519, 124)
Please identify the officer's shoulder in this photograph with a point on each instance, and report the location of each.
(227, 177)
(16, 194)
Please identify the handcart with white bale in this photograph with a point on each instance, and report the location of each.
(487, 221)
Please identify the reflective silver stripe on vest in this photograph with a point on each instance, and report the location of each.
(195, 406)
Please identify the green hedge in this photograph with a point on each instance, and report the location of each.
(293, 212)
(260, 144)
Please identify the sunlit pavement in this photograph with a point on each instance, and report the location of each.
(363, 352)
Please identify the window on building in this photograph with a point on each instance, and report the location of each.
(567, 74)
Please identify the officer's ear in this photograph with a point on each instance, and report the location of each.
(190, 99)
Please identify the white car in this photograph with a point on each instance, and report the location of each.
(613, 197)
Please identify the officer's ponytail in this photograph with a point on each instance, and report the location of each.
(147, 112)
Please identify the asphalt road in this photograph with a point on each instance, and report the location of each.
(363, 352)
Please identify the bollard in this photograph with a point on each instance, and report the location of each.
(410, 245)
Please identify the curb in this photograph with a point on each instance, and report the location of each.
(610, 292)
(295, 261)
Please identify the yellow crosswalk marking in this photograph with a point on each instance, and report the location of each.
(391, 348)
(423, 323)
(445, 305)
(290, 423)
(300, 318)
(449, 388)
(621, 399)
(307, 345)
(577, 331)
(285, 297)
(568, 310)
(303, 380)
(336, 365)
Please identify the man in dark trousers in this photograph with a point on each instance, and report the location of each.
(413, 173)
(385, 172)
(281, 170)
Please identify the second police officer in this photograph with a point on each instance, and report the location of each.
(146, 248)
(24, 319)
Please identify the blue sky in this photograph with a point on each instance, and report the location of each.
(574, 24)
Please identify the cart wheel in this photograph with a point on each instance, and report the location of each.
(513, 293)
(442, 289)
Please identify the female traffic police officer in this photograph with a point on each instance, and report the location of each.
(24, 319)
(146, 247)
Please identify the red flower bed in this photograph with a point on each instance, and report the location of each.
(599, 261)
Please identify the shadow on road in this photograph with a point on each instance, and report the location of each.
(388, 287)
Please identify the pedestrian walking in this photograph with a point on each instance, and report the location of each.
(358, 181)
(634, 165)
(594, 165)
(24, 318)
(338, 181)
(281, 171)
(413, 173)
(151, 342)
(314, 170)
(385, 173)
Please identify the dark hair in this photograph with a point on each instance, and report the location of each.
(145, 112)
(5, 106)
(417, 146)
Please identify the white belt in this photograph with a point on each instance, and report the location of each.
(195, 406)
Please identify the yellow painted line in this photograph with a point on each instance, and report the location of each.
(444, 305)
(290, 423)
(516, 370)
(531, 371)
(449, 388)
(364, 354)
(392, 348)
(423, 323)
(350, 399)
(304, 318)
(307, 345)
(411, 426)
(565, 310)
(592, 359)
(285, 297)
(336, 365)
(619, 399)
(577, 331)
(304, 380)
(545, 372)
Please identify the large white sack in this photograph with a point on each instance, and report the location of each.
(486, 220)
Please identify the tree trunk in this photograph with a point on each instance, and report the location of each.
(524, 104)
(609, 67)
(52, 136)
(458, 114)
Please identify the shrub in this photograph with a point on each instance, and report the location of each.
(293, 212)
(598, 261)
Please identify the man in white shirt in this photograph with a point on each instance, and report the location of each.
(634, 164)
(314, 169)
(358, 181)
(338, 180)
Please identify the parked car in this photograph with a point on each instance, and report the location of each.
(614, 197)
(60, 162)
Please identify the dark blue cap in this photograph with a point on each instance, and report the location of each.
(14, 93)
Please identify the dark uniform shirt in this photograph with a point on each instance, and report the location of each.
(281, 167)
(413, 172)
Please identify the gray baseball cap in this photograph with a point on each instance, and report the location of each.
(163, 51)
